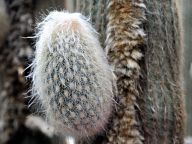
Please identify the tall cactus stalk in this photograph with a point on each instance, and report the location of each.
(162, 106)
(14, 127)
(124, 43)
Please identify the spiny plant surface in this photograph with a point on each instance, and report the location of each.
(71, 77)
(124, 42)
(163, 102)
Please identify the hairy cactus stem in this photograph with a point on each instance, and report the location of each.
(125, 38)
(71, 76)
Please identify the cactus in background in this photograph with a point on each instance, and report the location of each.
(162, 103)
(4, 22)
(96, 11)
(71, 76)
(13, 54)
(12, 58)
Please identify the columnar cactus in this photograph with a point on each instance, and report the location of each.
(13, 56)
(124, 42)
(162, 103)
(71, 76)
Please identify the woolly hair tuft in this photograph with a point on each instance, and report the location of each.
(71, 77)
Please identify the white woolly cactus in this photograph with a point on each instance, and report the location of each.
(71, 76)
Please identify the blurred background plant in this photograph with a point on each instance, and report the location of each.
(16, 126)
(187, 21)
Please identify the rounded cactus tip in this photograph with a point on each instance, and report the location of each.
(71, 76)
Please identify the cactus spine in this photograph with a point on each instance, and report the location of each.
(71, 76)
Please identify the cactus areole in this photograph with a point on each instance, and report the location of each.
(71, 77)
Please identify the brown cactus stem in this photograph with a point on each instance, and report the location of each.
(124, 43)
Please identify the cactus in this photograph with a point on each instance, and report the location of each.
(13, 54)
(71, 76)
(96, 11)
(162, 104)
(125, 38)
(4, 22)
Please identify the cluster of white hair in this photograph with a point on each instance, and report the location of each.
(71, 77)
